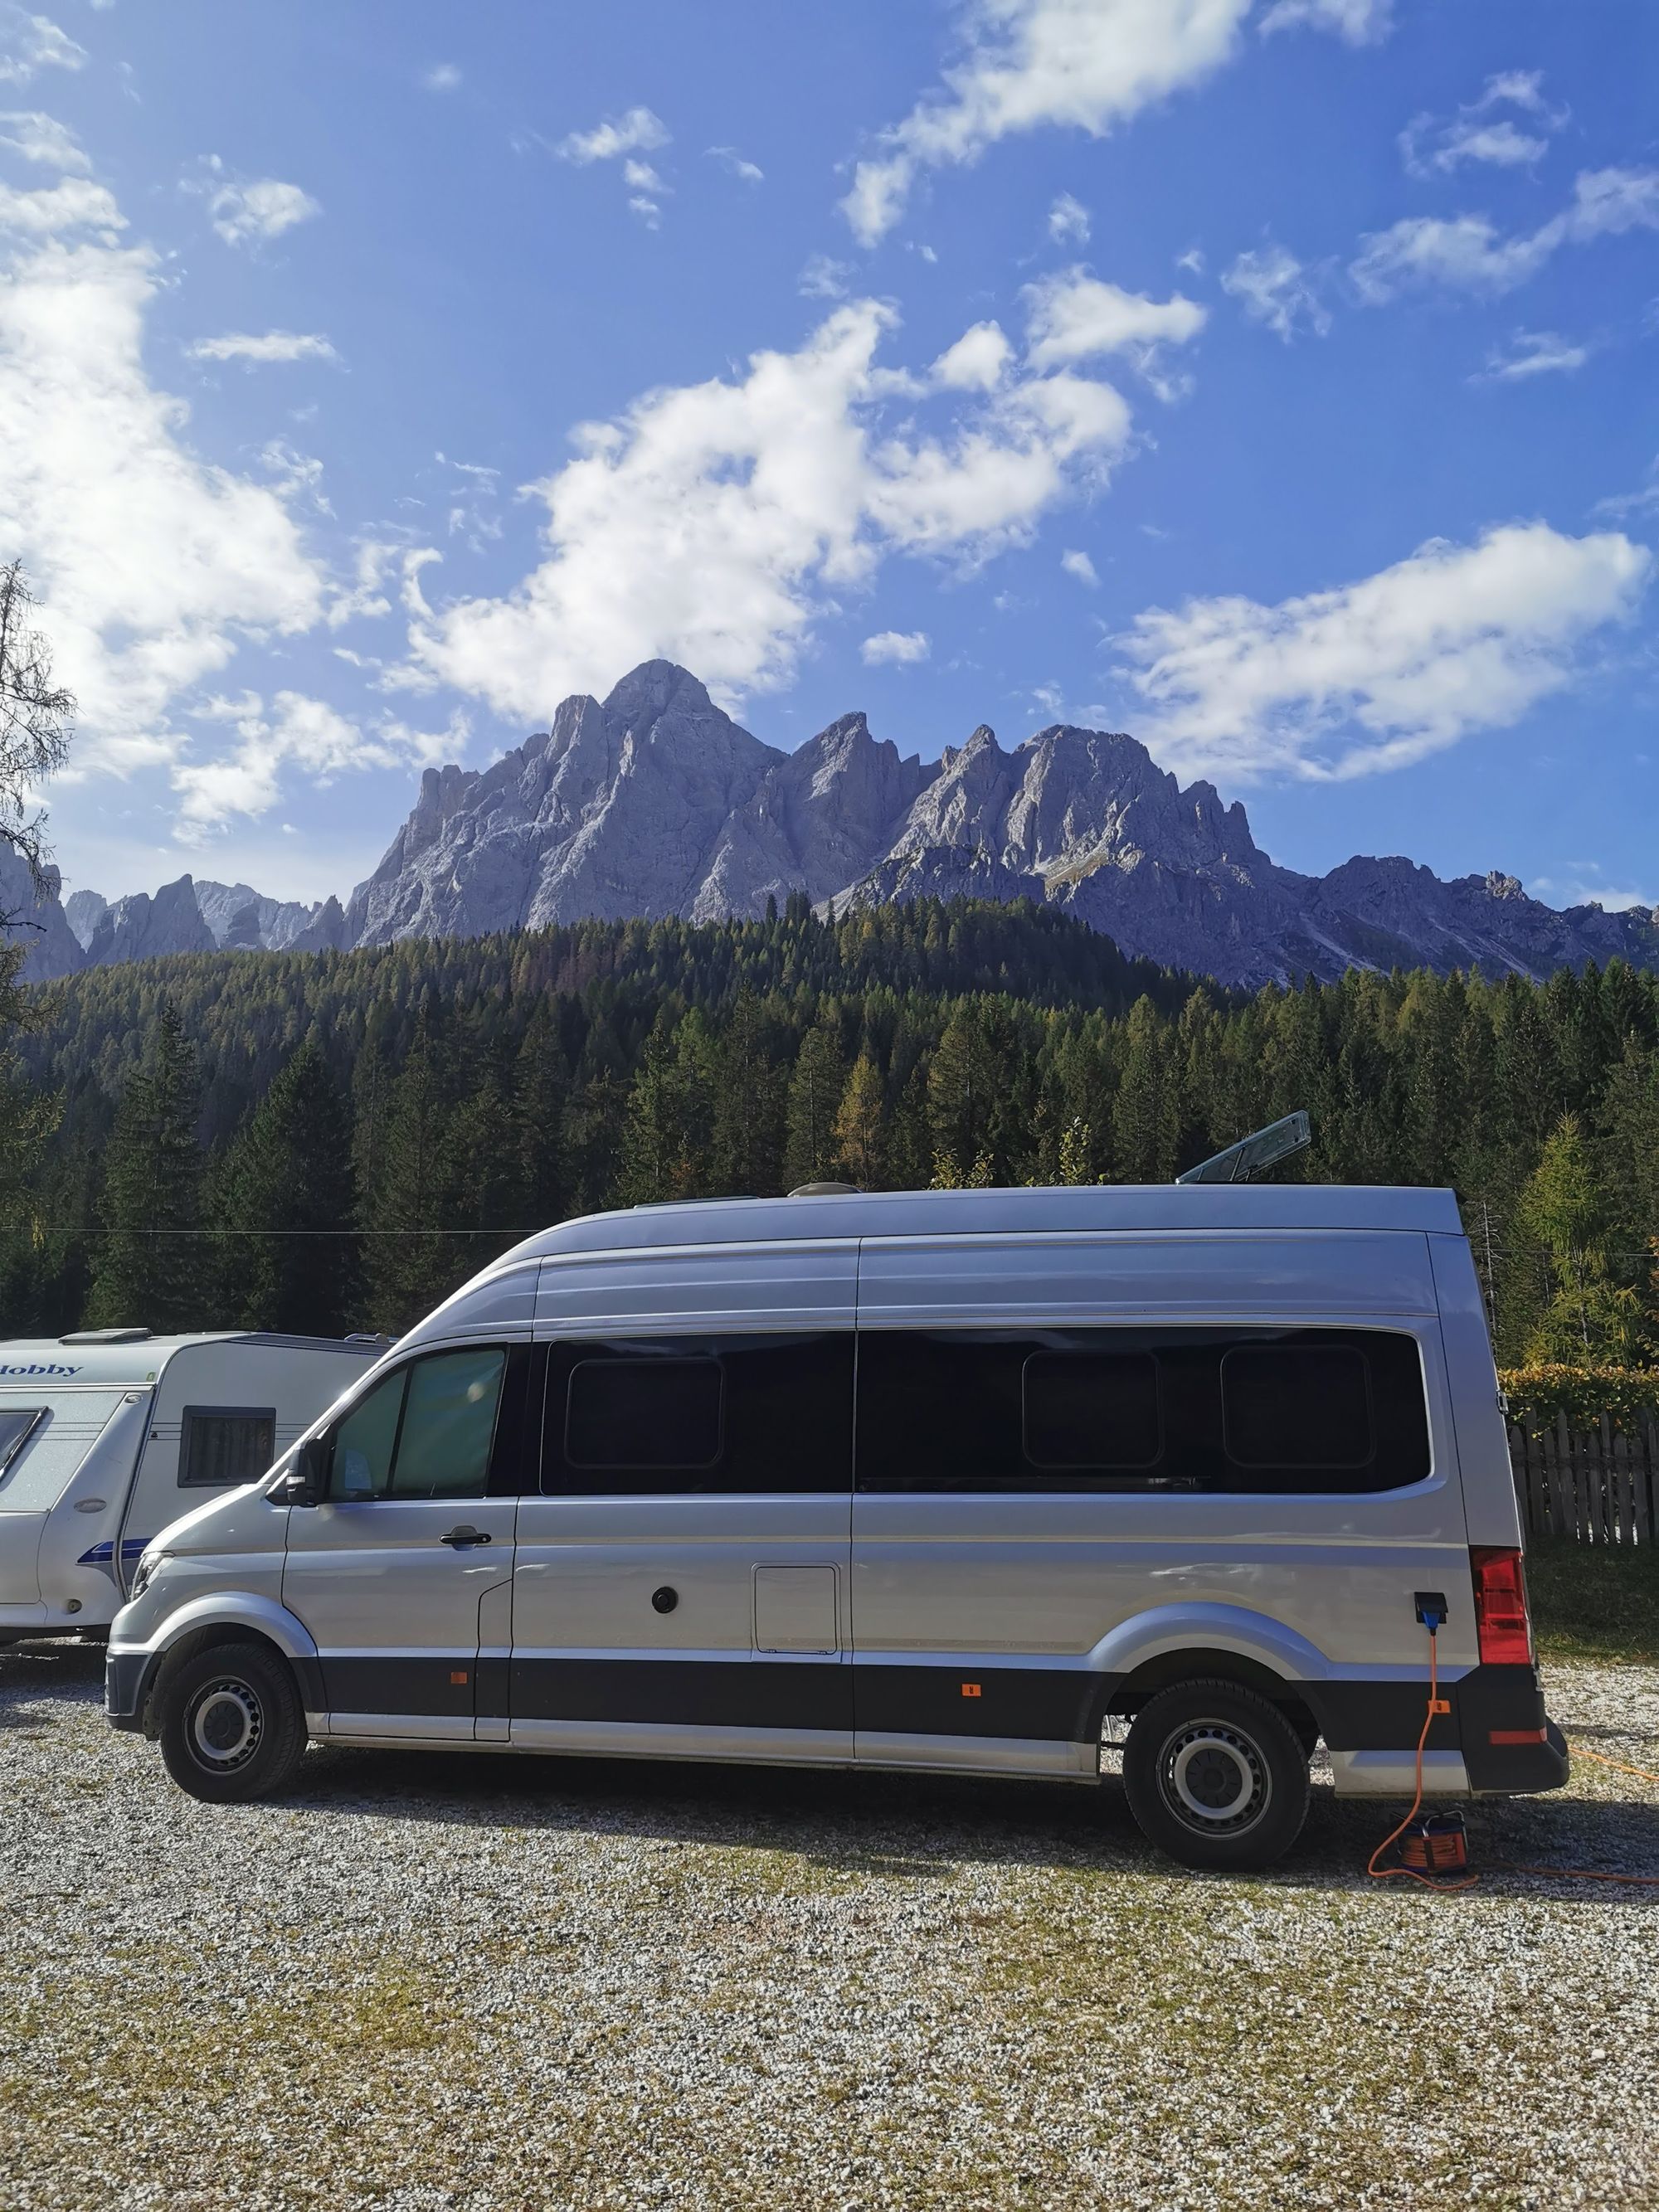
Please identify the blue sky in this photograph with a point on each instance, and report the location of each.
(1273, 379)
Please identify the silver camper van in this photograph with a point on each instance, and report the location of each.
(107, 1434)
(949, 1480)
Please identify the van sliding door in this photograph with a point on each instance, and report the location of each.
(681, 1583)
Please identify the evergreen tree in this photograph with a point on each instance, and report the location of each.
(1145, 1118)
(540, 1104)
(416, 1257)
(813, 1149)
(962, 1094)
(1584, 1314)
(747, 1132)
(287, 1195)
(668, 1140)
(153, 1269)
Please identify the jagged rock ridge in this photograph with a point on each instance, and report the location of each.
(653, 802)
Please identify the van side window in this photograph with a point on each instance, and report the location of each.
(643, 1413)
(1220, 1410)
(699, 1415)
(221, 1444)
(425, 1430)
(1297, 1405)
(1091, 1409)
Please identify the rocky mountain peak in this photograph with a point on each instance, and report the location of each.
(654, 801)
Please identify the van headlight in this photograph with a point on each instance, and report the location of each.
(144, 1573)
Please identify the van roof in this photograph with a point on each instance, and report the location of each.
(1243, 1206)
(137, 1360)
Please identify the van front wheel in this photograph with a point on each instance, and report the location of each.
(1216, 1776)
(233, 1728)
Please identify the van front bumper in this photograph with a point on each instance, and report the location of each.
(123, 1689)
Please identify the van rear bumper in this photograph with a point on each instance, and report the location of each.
(1495, 1740)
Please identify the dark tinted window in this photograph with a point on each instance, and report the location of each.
(699, 1415)
(225, 1443)
(1297, 1405)
(1141, 1409)
(643, 1413)
(1091, 1409)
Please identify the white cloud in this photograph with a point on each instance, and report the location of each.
(76, 204)
(301, 732)
(152, 565)
(1080, 565)
(1086, 65)
(1361, 22)
(1429, 146)
(1583, 885)
(265, 346)
(716, 523)
(1273, 288)
(895, 648)
(29, 44)
(728, 156)
(1467, 253)
(1534, 353)
(444, 77)
(42, 138)
(976, 362)
(1644, 500)
(1378, 673)
(638, 131)
(262, 208)
(1075, 317)
(823, 278)
(1068, 221)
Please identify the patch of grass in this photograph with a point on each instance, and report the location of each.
(1594, 1601)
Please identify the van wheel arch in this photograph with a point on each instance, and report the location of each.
(202, 1639)
(1154, 1676)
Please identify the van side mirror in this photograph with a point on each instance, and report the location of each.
(309, 1484)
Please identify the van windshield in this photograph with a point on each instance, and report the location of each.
(44, 1437)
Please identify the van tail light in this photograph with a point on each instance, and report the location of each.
(1500, 1607)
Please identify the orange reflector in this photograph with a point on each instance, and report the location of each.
(1439, 1704)
(1516, 1735)
(970, 1689)
(459, 1678)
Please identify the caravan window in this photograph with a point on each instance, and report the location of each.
(224, 1444)
(17, 1425)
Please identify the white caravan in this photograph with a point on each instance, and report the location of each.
(107, 1434)
(950, 1481)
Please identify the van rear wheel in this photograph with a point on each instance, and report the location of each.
(1216, 1776)
(233, 1728)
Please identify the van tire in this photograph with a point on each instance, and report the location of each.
(1216, 1776)
(233, 1728)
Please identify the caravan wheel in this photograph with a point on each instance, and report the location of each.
(233, 1728)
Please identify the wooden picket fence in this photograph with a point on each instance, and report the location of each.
(1596, 1485)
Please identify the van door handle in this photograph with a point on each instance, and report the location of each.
(467, 1534)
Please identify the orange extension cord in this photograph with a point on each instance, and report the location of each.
(1508, 1866)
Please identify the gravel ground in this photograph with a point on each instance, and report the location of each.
(480, 1982)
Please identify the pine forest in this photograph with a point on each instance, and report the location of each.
(322, 1142)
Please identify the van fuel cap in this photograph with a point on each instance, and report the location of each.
(664, 1599)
